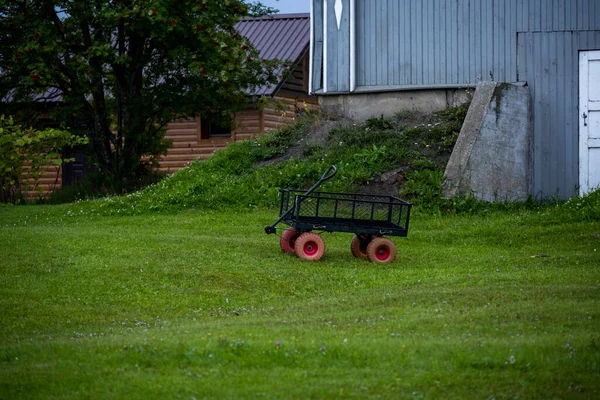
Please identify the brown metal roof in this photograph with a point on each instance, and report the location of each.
(281, 36)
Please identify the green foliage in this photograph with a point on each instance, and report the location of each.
(122, 70)
(229, 178)
(357, 136)
(457, 114)
(39, 148)
(94, 185)
(423, 163)
(440, 138)
(575, 209)
(363, 165)
(380, 123)
(249, 174)
(424, 188)
(402, 114)
(586, 208)
(278, 142)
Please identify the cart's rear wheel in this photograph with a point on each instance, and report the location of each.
(309, 246)
(359, 244)
(288, 238)
(381, 250)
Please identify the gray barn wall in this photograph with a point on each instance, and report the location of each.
(549, 63)
(424, 44)
(442, 42)
(317, 45)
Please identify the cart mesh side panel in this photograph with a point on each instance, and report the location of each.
(347, 212)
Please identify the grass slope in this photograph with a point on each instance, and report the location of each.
(246, 175)
(204, 305)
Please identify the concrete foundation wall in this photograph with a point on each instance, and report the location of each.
(360, 106)
(492, 158)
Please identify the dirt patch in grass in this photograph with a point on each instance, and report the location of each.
(317, 134)
(414, 142)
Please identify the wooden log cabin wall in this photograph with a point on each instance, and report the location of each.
(49, 176)
(50, 179)
(193, 139)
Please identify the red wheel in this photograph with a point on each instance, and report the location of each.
(381, 250)
(288, 238)
(359, 244)
(310, 246)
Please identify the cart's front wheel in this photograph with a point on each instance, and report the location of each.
(310, 246)
(359, 244)
(381, 250)
(288, 239)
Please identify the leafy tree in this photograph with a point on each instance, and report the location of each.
(38, 148)
(123, 69)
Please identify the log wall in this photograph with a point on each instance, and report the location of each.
(189, 146)
(49, 181)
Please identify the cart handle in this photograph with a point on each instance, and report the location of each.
(330, 173)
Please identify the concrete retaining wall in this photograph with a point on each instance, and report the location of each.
(360, 106)
(492, 157)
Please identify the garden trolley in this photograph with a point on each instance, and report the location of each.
(369, 217)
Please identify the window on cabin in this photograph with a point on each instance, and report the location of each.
(211, 129)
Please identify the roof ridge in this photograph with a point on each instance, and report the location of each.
(278, 16)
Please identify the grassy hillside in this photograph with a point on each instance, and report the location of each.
(249, 174)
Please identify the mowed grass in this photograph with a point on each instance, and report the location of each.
(205, 305)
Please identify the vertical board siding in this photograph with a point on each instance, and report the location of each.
(450, 42)
(317, 56)
(406, 33)
(344, 50)
(429, 44)
(440, 22)
(338, 49)
(549, 61)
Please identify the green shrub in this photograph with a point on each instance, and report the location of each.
(39, 148)
(424, 188)
(402, 114)
(276, 143)
(585, 208)
(423, 163)
(381, 123)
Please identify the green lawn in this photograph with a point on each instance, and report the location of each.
(205, 305)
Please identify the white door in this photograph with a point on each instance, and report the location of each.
(589, 121)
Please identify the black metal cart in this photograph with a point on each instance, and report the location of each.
(369, 217)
